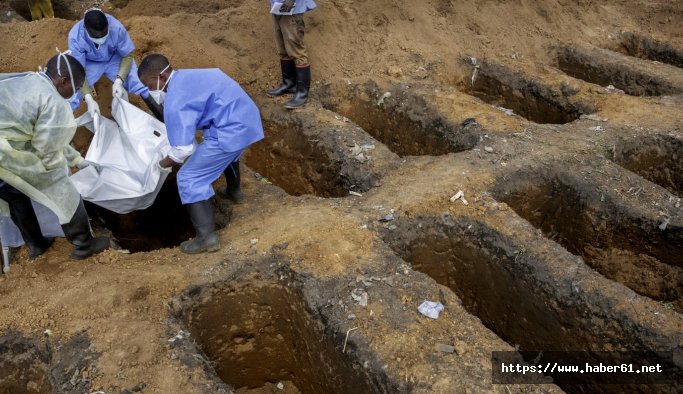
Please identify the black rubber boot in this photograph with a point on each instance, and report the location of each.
(206, 240)
(233, 190)
(288, 79)
(24, 217)
(77, 231)
(303, 83)
(156, 108)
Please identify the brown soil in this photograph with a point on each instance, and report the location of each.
(570, 239)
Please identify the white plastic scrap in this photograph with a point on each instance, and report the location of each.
(593, 117)
(597, 128)
(359, 152)
(360, 296)
(179, 337)
(460, 195)
(457, 195)
(430, 309)
(385, 96)
(506, 111)
(664, 223)
(475, 73)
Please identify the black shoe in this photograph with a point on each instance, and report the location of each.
(94, 246)
(303, 83)
(156, 108)
(34, 251)
(288, 69)
(206, 240)
(233, 190)
(77, 231)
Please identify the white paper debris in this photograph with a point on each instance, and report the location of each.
(431, 309)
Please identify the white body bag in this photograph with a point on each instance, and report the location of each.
(127, 151)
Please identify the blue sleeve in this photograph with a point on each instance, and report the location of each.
(124, 45)
(182, 115)
(75, 46)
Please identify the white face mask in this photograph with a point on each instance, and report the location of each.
(159, 95)
(98, 41)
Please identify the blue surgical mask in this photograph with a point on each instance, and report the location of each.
(72, 98)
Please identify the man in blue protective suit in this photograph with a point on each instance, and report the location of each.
(207, 100)
(288, 22)
(102, 45)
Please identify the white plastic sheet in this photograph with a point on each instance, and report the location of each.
(127, 150)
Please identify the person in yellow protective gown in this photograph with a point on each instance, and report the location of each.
(36, 126)
(41, 9)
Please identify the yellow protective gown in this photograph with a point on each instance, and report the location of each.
(36, 126)
(41, 9)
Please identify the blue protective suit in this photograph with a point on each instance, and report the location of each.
(300, 6)
(106, 59)
(208, 100)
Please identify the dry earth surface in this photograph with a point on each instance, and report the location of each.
(561, 122)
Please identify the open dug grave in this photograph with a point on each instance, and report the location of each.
(24, 367)
(590, 224)
(30, 366)
(526, 298)
(402, 120)
(657, 158)
(297, 164)
(644, 47)
(261, 334)
(311, 151)
(634, 76)
(530, 98)
(165, 224)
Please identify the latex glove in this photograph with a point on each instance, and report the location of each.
(85, 163)
(162, 168)
(117, 89)
(287, 6)
(93, 108)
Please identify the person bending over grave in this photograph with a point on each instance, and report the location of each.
(207, 100)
